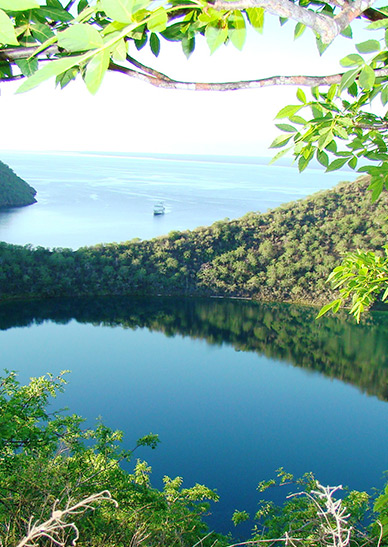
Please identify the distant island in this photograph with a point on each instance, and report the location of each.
(14, 191)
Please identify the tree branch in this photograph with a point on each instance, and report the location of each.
(16, 53)
(327, 27)
(159, 79)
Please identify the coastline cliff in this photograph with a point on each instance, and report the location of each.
(14, 191)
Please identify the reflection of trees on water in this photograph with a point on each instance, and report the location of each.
(334, 346)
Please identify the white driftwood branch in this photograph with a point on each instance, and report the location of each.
(55, 526)
(333, 520)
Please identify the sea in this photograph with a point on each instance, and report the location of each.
(85, 198)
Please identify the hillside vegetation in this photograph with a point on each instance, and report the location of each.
(14, 191)
(284, 255)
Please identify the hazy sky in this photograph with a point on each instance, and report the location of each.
(131, 116)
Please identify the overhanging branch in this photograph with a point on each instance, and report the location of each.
(327, 27)
(159, 79)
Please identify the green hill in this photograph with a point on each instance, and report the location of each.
(283, 255)
(14, 191)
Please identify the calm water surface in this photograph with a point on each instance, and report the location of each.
(234, 389)
(84, 199)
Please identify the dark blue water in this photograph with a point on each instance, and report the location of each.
(84, 199)
(233, 389)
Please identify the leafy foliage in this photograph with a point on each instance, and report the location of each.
(361, 276)
(313, 517)
(85, 37)
(48, 459)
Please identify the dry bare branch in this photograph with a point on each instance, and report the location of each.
(55, 527)
(333, 520)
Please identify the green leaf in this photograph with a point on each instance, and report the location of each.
(288, 111)
(376, 186)
(66, 77)
(303, 163)
(315, 92)
(384, 95)
(286, 127)
(95, 70)
(301, 96)
(27, 66)
(154, 44)
(280, 141)
(188, 45)
(347, 32)
(321, 46)
(331, 146)
(55, 14)
(7, 30)
(158, 20)
(332, 91)
(173, 33)
(323, 158)
(335, 305)
(118, 10)
(299, 30)
(237, 31)
(369, 46)
(256, 18)
(81, 6)
(353, 162)
(336, 164)
(367, 78)
(382, 23)
(141, 42)
(18, 5)
(341, 132)
(352, 60)
(80, 37)
(54, 68)
(348, 79)
(122, 10)
(353, 89)
(298, 120)
(119, 53)
(280, 154)
(41, 32)
(215, 37)
(54, 3)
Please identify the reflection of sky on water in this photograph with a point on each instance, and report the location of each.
(85, 199)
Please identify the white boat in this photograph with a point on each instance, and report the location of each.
(159, 208)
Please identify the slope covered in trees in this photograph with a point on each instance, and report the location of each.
(14, 191)
(285, 254)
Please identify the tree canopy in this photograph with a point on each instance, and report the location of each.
(342, 123)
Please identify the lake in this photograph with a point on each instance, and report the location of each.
(234, 389)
